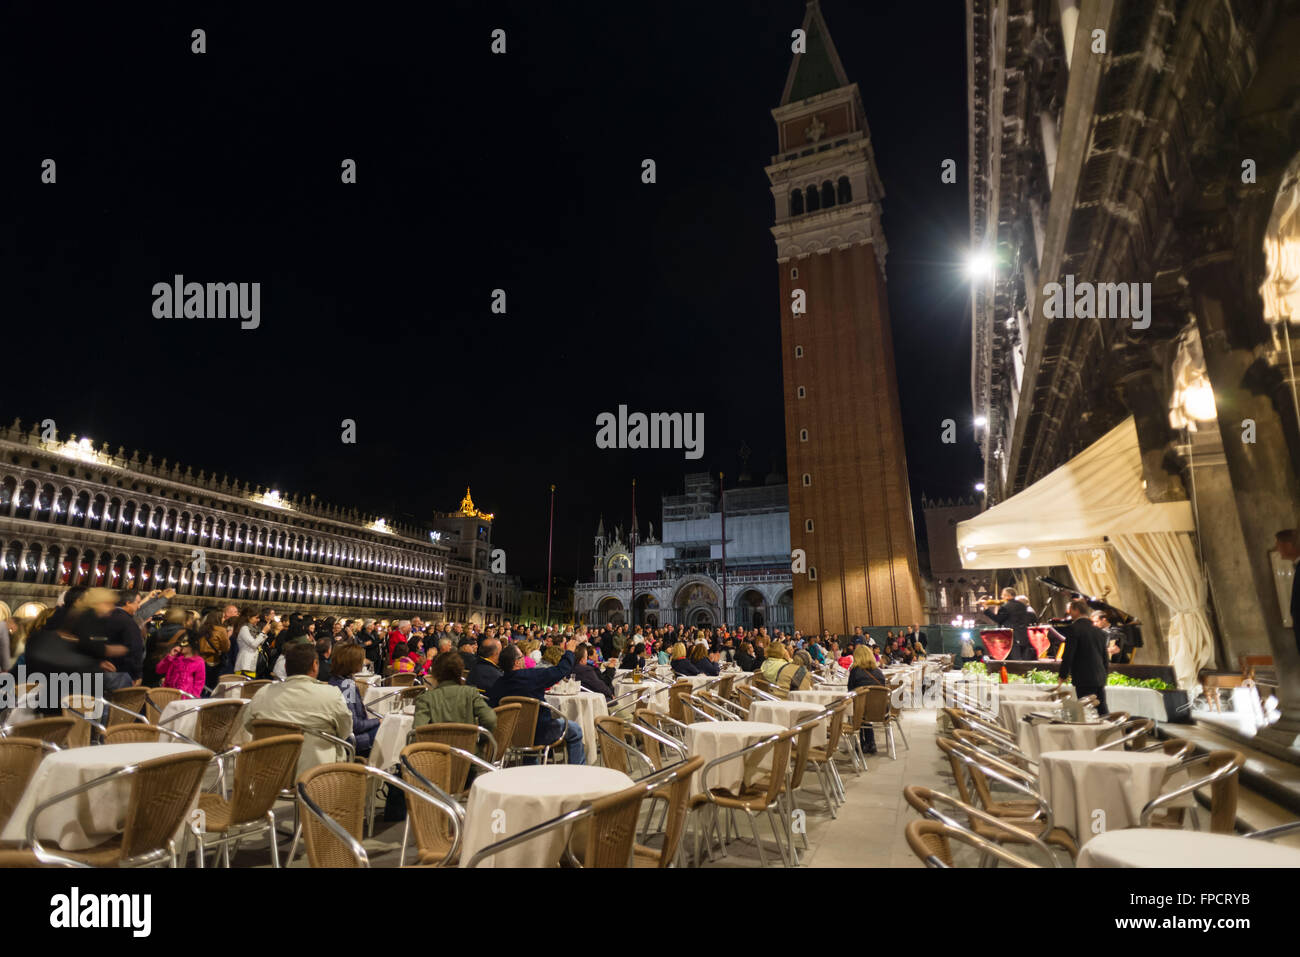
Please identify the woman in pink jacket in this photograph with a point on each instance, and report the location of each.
(182, 668)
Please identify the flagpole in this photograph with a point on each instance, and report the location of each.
(550, 540)
(632, 544)
(722, 495)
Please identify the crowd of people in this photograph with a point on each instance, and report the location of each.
(132, 638)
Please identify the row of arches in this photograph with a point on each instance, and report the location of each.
(813, 198)
(41, 563)
(98, 511)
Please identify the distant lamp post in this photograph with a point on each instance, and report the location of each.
(979, 486)
(980, 421)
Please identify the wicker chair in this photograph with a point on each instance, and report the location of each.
(333, 797)
(160, 698)
(232, 679)
(137, 732)
(983, 766)
(761, 794)
(32, 859)
(214, 724)
(260, 769)
(526, 730)
(403, 679)
(82, 709)
(1134, 732)
(677, 710)
(250, 688)
(931, 842)
(1223, 781)
(465, 738)
(55, 731)
(990, 827)
(431, 766)
(18, 760)
(611, 819)
(162, 792)
(854, 722)
(822, 757)
(878, 713)
(507, 720)
(677, 782)
(127, 701)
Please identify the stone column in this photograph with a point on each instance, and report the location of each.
(1265, 491)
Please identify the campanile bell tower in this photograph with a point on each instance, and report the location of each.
(850, 508)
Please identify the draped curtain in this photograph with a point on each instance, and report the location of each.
(1093, 571)
(1166, 563)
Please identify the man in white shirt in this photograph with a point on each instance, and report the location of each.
(302, 700)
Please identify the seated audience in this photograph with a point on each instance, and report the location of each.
(518, 680)
(302, 700)
(344, 664)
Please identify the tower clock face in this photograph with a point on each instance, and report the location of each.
(620, 561)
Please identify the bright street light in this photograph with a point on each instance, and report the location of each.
(979, 486)
(981, 265)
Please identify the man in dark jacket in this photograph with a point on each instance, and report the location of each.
(532, 683)
(607, 643)
(1015, 615)
(483, 669)
(1084, 658)
(589, 677)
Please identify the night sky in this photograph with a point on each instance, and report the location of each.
(474, 172)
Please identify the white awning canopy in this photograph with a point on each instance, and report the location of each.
(1097, 493)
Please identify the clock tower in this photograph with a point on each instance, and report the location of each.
(850, 508)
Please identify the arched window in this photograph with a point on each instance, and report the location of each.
(796, 202)
(828, 195)
(814, 202)
(845, 191)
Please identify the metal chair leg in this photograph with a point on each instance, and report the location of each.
(776, 836)
(896, 721)
(270, 835)
(753, 825)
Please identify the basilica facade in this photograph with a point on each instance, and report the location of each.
(684, 579)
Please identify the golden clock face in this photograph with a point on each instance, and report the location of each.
(620, 561)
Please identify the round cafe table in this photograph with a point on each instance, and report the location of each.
(90, 818)
(1011, 714)
(510, 801)
(1066, 737)
(788, 714)
(1168, 847)
(713, 739)
(581, 708)
(657, 701)
(390, 738)
(1095, 792)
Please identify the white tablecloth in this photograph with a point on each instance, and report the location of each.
(713, 739)
(788, 714)
(88, 819)
(1167, 847)
(583, 708)
(386, 750)
(821, 695)
(1138, 702)
(1095, 792)
(511, 801)
(1011, 713)
(1037, 738)
(657, 702)
(187, 724)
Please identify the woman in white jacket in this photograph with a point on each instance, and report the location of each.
(250, 638)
